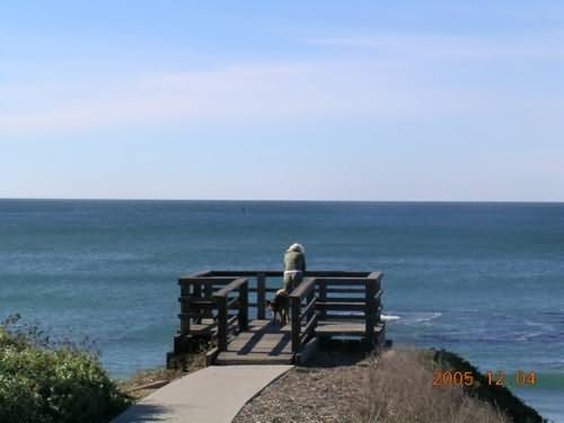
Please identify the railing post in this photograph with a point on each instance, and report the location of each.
(322, 297)
(208, 291)
(261, 295)
(296, 308)
(244, 306)
(369, 311)
(377, 278)
(198, 295)
(378, 302)
(222, 323)
(184, 309)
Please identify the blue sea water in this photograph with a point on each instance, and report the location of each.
(483, 279)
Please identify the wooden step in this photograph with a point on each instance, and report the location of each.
(345, 328)
(234, 358)
(338, 305)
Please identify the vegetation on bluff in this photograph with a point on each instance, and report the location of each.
(395, 386)
(43, 380)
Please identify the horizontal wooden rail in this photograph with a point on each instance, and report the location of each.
(196, 302)
(303, 288)
(229, 287)
(189, 315)
(187, 280)
(344, 306)
(348, 290)
(348, 316)
(344, 299)
(279, 273)
(255, 290)
(344, 281)
(246, 273)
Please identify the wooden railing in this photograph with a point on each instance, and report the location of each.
(351, 298)
(373, 304)
(302, 306)
(225, 302)
(208, 300)
(205, 302)
(197, 304)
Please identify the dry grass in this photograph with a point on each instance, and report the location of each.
(145, 382)
(395, 387)
(398, 388)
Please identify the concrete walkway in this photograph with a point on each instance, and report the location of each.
(211, 395)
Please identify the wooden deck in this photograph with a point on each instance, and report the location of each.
(214, 308)
(266, 342)
(263, 343)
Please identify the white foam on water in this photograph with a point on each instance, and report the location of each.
(427, 317)
(529, 336)
(388, 317)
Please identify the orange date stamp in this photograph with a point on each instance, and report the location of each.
(497, 378)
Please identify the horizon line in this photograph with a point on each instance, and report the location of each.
(273, 200)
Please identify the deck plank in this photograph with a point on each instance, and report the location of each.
(264, 343)
(344, 328)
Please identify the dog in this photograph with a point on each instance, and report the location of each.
(280, 305)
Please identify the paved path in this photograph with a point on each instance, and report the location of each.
(211, 395)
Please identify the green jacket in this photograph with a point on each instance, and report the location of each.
(294, 260)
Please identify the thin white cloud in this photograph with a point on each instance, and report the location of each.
(394, 80)
(233, 94)
(548, 46)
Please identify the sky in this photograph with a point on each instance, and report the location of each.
(318, 100)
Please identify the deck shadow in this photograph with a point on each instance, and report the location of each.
(335, 352)
(258, 337)
(143, 413)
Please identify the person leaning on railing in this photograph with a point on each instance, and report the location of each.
(294, 266)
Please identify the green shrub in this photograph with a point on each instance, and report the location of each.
(43, 381)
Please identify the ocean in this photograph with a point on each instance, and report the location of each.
(485, 280)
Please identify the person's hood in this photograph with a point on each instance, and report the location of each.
(296, 247)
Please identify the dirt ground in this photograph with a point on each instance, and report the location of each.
(323, 391)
